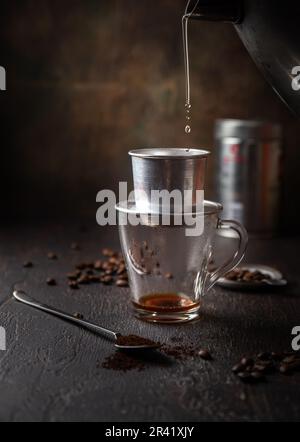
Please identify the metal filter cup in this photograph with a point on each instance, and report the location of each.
(167, 169)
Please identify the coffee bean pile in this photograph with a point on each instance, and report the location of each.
(243, 275)
(109, 270)
(255, 369)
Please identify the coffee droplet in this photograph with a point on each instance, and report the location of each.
(188, 129)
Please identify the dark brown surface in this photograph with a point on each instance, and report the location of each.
(52, 370)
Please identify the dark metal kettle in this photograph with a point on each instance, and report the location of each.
(270, 32)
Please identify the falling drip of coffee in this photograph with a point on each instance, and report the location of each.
(188, 106)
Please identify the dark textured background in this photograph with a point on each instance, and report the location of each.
(88, 80)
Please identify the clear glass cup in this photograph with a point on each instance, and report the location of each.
(169, 271)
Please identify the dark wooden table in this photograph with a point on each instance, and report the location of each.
(51, 370)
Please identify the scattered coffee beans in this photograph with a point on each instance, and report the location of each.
(107, 271)
(78, 316)
(204, 354)
(106, 279)
(51, 281)
(168, 276)
(122, 283)
(52, 256)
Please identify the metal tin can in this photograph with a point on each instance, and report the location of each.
(248, 173)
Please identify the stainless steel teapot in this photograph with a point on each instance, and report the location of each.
(270, 32)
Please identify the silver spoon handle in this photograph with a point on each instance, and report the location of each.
(28, 300)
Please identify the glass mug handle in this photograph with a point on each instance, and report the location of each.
(238, 255)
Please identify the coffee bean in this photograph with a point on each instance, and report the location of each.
(231, 276)
(52, 256)
(168, 276)
(83, 280)
(106, 265)
(260, 368)
(28, 264)
(122, 283)
(276, 356)
(243, 396)
(247, 361)
(205, 354)
(73, 285)
(238, 368)
(98, 265)
(51, 281)
(248, 276)
(78, 316)
(74, 275)
(108, 253)
(75, 246)
(90, 265)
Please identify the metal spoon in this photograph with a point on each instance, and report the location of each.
(113, 336)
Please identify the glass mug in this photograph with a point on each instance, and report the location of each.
(168, 271)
